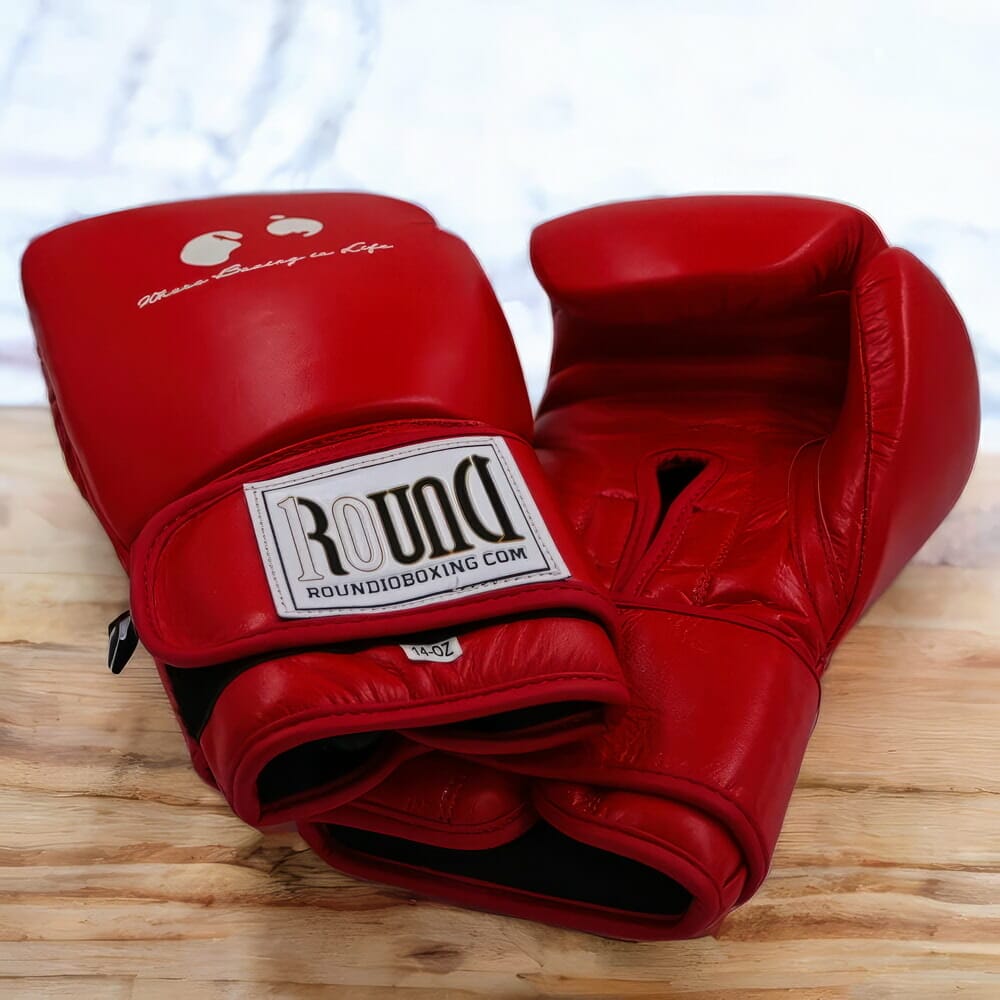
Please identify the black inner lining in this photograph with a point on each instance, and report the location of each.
(543, 860)
(196, 690)
(673, 477)
(316, 764)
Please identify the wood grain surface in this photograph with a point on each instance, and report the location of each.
(123, 876)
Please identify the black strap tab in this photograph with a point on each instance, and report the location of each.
(122, 640)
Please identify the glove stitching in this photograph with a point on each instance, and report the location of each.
(793, 491)
(561, 589)
(866, 506)
(739, 623)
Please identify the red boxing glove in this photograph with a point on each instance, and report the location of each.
(757, 413)
(301, 421)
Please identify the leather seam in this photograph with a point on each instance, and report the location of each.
(793, 492)
(698, 613)
(866, 507)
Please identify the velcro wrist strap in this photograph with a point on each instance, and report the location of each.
(405, 527)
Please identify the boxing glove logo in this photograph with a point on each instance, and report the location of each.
(210, 249)
(281, 225)
(402, 528)
(216, 247)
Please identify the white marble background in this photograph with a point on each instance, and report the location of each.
(496, 115)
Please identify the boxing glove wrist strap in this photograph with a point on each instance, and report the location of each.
(405, 527)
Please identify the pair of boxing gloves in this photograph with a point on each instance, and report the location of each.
(563, 668)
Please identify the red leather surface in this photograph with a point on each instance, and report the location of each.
(445, 801)
(174, 383)
(226, 372)
(821, 390)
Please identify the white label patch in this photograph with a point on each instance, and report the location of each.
(444, 651)
(404, 528)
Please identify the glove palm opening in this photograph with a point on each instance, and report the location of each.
(542, 861)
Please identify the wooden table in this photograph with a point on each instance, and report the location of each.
(124, 876)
